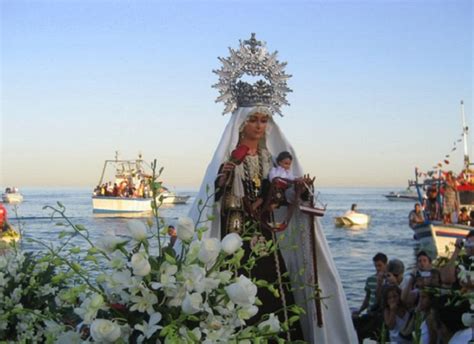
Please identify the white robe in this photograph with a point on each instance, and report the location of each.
(337, 322)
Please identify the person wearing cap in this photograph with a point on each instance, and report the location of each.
(392, 276)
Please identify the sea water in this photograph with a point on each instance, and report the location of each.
(352, 249)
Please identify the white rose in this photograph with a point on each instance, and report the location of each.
(109, 242)
(247, 312)
(192, 303)
(103, 330)
(140, 264)
(185, 229)
(193, 251)
(137, 230)
(231, 243)
(271, 325)
(242, 292)
(209, 250)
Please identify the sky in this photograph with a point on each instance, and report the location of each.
(376, 85)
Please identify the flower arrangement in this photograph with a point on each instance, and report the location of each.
(132, 289)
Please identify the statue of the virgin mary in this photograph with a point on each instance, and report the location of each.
(238, 177)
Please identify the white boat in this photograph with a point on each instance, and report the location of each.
(407, 195)
(438, 238)
(352, 219)
(135, 176)
(12, 195)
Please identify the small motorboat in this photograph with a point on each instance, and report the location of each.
(407, 195)
(12, 195)
(352, 219)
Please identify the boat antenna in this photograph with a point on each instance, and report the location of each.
(465, 130)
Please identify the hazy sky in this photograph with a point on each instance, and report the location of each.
(376, 84)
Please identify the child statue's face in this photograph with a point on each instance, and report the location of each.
(285, 163)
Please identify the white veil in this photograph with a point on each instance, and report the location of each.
(337, 322)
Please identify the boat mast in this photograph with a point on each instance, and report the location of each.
(465, 130)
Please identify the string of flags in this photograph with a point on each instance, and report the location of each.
(438, 167)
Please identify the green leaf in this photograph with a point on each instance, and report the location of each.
(80, 228)
(93, 250)
(75, 250)
(293, 319)
(91, 258)
(170, 259)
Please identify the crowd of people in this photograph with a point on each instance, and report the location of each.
(425, 305)
(441, 204)
(123, 189)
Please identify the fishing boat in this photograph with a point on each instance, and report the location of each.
(437, 237)
(12, 195)
(129, 193)
(407, 195)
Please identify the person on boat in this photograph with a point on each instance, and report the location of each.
(450, 198)
(369, 323)
(238, 175)
(352, 211)
(416, 216)
(471, 218)
(463, 217)
(431, 204)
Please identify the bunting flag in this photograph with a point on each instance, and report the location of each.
(446, 161)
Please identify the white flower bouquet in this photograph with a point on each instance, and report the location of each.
(120, 291)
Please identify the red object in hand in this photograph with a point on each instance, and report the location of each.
(238, 155)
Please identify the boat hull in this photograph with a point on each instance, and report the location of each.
(401, 198)
(120, 205)
(174, 199)
(438, 238)
(352, 220)
(104, 204)
(12, 198)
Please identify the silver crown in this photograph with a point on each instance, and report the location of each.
(252, 59)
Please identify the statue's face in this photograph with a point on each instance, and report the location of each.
(255, 126)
